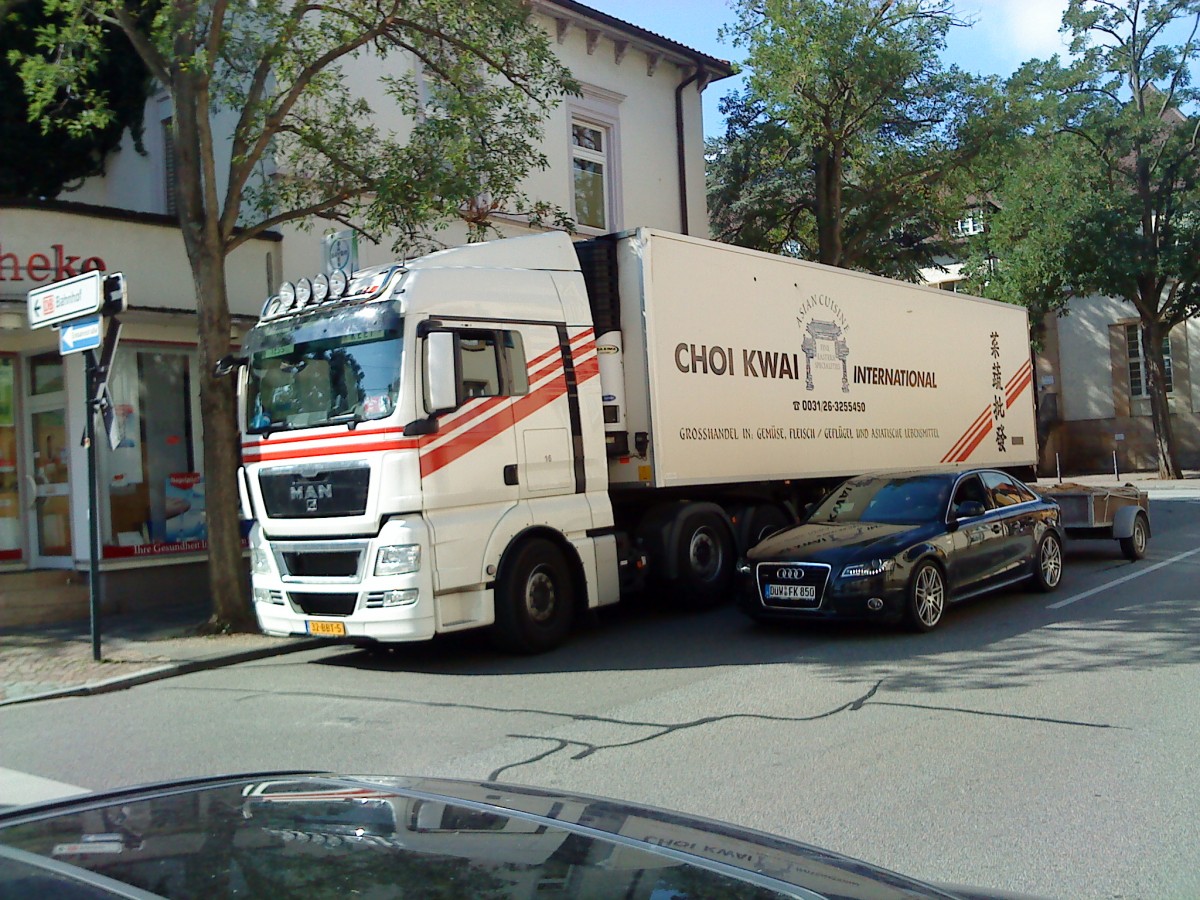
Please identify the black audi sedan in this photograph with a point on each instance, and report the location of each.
(901, 546)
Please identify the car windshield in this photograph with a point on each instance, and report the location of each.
(341, 366)
(893, 501)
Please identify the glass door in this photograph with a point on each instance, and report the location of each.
(50, 489)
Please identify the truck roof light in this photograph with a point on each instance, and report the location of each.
(304, 292)
(337, 284)
(287, 297)
(320, 288)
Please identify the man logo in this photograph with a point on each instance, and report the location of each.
(311, 494)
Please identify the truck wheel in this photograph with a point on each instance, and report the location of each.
(1047, 572)
(926, 597)
(535, 599)
(704, 560)
(1134, 546)
(761, 521)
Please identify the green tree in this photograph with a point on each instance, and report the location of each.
(1107, 198)
(850, 143)
(265, 79)
(36, 162)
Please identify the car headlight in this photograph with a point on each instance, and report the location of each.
(259, 562)
(400, 559)
(874, 567)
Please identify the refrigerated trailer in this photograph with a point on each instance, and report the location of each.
(509, 434)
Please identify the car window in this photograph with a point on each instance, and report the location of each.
(1006, 491)
(971, 490)
(892, 501)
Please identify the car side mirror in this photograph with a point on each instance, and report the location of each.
(441, 372)
(969, 509)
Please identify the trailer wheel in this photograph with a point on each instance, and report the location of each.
(760, 521)
(534, 599)
(1134, 546)
(704, 557)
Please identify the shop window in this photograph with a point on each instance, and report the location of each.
(1139, 371)
(10, 504)
(154, 489)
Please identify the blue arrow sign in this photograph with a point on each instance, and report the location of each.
(82, 334)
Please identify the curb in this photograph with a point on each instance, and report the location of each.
(123, 682)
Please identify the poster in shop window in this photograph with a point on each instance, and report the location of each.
(125, 462)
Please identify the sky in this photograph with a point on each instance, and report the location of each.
(1005, 34)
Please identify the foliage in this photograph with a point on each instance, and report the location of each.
(1107, 198)
(278, 112)
(850, 143)
(42, 157)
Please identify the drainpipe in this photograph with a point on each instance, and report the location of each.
(679, 147)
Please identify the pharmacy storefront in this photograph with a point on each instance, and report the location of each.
(151, 485)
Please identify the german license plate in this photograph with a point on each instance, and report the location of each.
(327, 629)
(791, 592)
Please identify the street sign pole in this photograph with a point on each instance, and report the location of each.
(93, 503)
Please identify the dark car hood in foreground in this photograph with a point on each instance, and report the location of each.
(314, 835)
(814, 541)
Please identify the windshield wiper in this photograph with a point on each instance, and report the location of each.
(350, 418)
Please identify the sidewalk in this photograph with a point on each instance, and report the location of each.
(56, 660)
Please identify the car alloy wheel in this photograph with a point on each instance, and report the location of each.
(1049, 563)
(927, 597)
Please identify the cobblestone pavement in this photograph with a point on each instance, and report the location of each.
(134, 647)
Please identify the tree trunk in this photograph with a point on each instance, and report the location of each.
(228, 577)
(1160, 411)
(227, 574)
(828, 172)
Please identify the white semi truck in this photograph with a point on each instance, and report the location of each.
(511, 433)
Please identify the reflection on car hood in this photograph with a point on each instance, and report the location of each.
(812, 541)
(287, 834)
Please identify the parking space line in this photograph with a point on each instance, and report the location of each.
(1112, 584)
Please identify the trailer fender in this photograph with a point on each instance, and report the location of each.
(1124, 519)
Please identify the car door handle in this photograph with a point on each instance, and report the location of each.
(510, 474)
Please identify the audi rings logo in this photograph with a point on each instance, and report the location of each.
(790, 574)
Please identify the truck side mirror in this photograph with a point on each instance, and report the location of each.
(441, 372)
(228, 364)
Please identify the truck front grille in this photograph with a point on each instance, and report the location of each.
(314, 604)
(322, 564)
(315, 491)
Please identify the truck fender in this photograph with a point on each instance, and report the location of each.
(1124, 519)
(516, 526)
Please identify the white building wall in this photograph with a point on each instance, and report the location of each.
(1085, 358)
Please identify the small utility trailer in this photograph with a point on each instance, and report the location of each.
(1120, 512)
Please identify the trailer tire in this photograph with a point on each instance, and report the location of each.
(535, 600)
(704, 559)
(1134, 546)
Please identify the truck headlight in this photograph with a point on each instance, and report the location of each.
(400, 559)
(874, 567)
(259, 562)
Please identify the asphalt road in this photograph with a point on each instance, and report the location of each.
(1047, 744)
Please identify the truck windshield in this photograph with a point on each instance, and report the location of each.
(340, 366)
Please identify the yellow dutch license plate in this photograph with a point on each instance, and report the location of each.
(327, 629)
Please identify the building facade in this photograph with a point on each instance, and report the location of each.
(629, 151)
